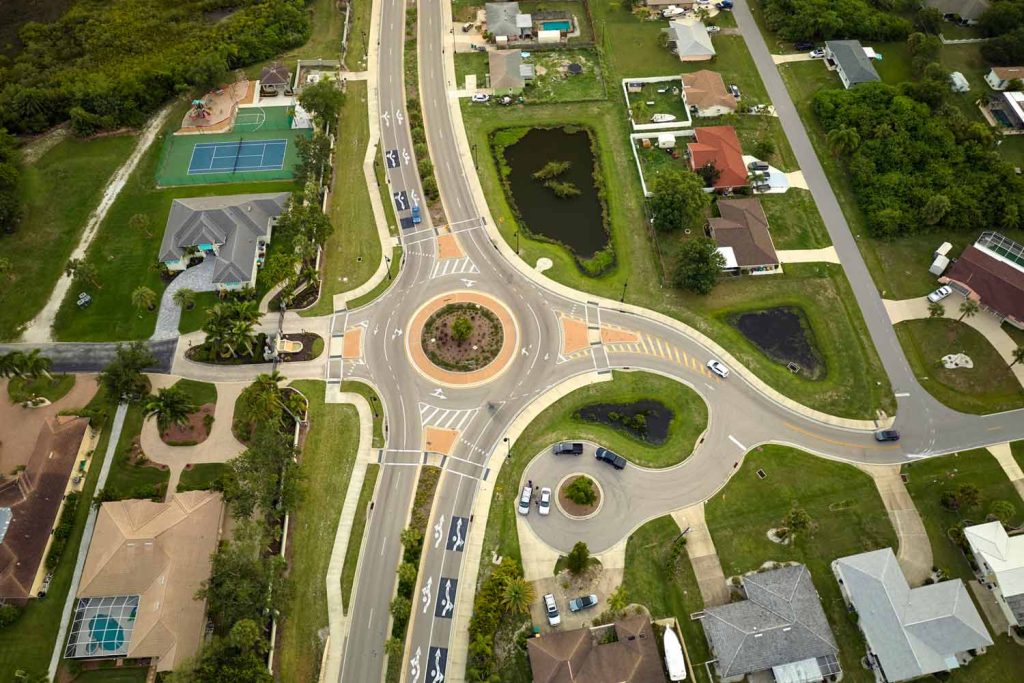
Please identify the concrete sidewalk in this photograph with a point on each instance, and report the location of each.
(703, 556)
(1014, 473)
(915, 551)
(825, 255)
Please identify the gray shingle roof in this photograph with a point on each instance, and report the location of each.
(913, 632)
(234, 223)
(501, 18)
(505, 67)
(780, 622)
(691, 39)
(849, 55)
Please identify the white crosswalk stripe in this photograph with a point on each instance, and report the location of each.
(446, 418)
(453, 266)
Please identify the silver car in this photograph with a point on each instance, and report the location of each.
(544, 508)
(525, 498)
(718, 368)
(940, 293)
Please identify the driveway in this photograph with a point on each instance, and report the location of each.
(197, 278)
(915, 551)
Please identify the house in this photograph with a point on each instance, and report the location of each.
(991, 272)
(234, 230)
(275, 78)
(1000, 559)
(1000, 77)
(690, 40)
(30, 502)
(662, 4)
(743, 238)
(144, 566)
(910, 632)
(508, 73)
(780, 629)
(1007, 108)
(850, 61)
(968, 11)
(706, 94)
(503, 21)
(585, 655)
(719, 146)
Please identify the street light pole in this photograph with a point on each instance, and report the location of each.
(623, 297)
(509, 446)
(387, 260)
(517, 242)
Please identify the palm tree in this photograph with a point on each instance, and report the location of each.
(12, 364)
(171, 406)
(185, 298)
(263, 397)
(843, 139)
(936, 309)
(1018, 355)
(143, 297)
(517, 595)
(35, 364)
(968, 309)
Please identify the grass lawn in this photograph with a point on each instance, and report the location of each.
(393, 267)
(21, 389)
(846, 510)
(201, 476)
(1015, 334)
(28, 643)
(111, 675)
(355, 540)
(553, 82)
(128, 479)
(201, 393)
(794, 221)
(325, 467)
(194, 319)
(927, 480)
(367, 392)
(989, 387)
(471, 63)
(1017, 448)
(60, 190)
(662, 97)
(658, 574)
(358, 34)
(352, 253)
(126, 259)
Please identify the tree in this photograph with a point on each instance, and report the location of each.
(407, 573)
(709, 173)
(517, 595)
(843, 140)
(581, 491)
(122, 378)
(578, 559)
(798, 519)
(698, 265)
(260, 483)
(617, 601)
(401, 610)
(968, 309)
(12, 364)
(239, 656)
(936, 309)
(230, 327)
(394, 647)
(35, 364)
(462, 329)
(678, 201)
(82, 272)
(185, 298)
(764, 148)
(1018, 355)
(1002, 510)
(935, 209)
(143, 298)
(968, 495)
(324, 99)
(171, 406)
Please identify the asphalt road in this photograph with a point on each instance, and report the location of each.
(93, 357)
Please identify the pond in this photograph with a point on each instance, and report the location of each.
(647, 420)
(574, 221)
(784, 335)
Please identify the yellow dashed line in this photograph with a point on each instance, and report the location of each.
(840, 443)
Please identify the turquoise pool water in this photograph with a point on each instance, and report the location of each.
(106, 633)
(565, 26)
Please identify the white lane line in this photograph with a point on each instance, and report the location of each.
(383, 545)
(369, 622)
(733, 439)
(903, 394)
(711, 388)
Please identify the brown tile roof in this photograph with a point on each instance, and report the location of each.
(998, 285)
(34, 498)
(707, 89)
(744, 227)
(1008, 73)
(577, 657)
(720, 146)
(161, 552)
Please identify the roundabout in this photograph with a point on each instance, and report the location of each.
(568, 501)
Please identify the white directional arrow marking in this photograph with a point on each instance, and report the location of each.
(376, 329)
(415, 197)
(468, 283)
(398, 116)
(414, 665)
(439, 393)
(387, 120)
(447, 605)
(397, 333)
(425, 593)
(438, 675)
(546, 356)
(405, 155)
(438, 531)
(457, 538)
(526, 352)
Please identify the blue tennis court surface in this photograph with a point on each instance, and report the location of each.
(221, 157)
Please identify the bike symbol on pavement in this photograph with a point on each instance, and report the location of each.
(414, 665)
(437, 661)
(401, 200)
(438, 530)
(445, 606)
(425, 594)
(457, 534)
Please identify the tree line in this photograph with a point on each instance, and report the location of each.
(1003, 23)
(798, 20)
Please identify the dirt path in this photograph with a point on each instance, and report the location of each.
(39, 328)
(915, 551)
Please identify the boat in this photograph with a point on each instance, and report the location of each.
(663, 118)
(674, 660)
(672, 11)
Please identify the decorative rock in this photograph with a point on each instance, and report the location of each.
(543, 264)
(957, 360)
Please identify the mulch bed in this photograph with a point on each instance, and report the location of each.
(203, 353)
(307, 339)
(478, 350)
(192, 433)
(573, 508)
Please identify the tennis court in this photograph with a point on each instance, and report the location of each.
(237, 157)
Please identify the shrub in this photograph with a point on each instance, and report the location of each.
(8, 615)
(578, 559)
(581, 491)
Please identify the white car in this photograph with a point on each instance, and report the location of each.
(525, 498)
(816, 53)
(716, 367)
(552, 610)
(940, 293)
(545, 502)
(672, 11)
(481, 97)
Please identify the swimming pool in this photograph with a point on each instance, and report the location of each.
(563, 26)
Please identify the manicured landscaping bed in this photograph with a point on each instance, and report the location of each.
(989, 387)
(131, 474)
(483, 335)
(847, 516)
(579, 496)
(206, 353)
(21, 389)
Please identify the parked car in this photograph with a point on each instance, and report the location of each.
(568, 448)
(940, 293)
(416, 217)
(480, 97)
(552, 610)
(582, 602)
(610, 457)
(524, 500)
(713, 29)
(718, 368)
(672, 11)
(467, 26)
(887, 435)
(803, 45)
(724, 4)
(762, 187)
(817, 53)
(758, 166)
(545, 502)
(735, 90)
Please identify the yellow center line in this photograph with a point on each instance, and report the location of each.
(836, 442)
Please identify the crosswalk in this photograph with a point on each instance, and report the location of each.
(647, 345)
(453, 266)
(446, 418)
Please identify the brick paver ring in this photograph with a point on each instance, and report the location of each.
(451, 378)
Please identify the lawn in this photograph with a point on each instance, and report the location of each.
(200, 393)
(128, 479)
(355, 539)
(194, 319)
(989, 387)
(113, 675)
(467, 63)
(28, 643)
(794, 221)
(1017, 448)
(326, 463)
(394, 266)
(201, 476)
(358, 34)
(352, 252)
(126, 259)
(553, 82)
(927, 480)
(658, 575)
(60, 191)
(367, 392)
(22, 389)
(661, 97)
(848, 518)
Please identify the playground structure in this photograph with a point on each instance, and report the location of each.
(215, 111)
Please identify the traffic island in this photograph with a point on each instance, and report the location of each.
(579, 496)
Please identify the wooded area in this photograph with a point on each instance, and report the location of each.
(798, 20)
